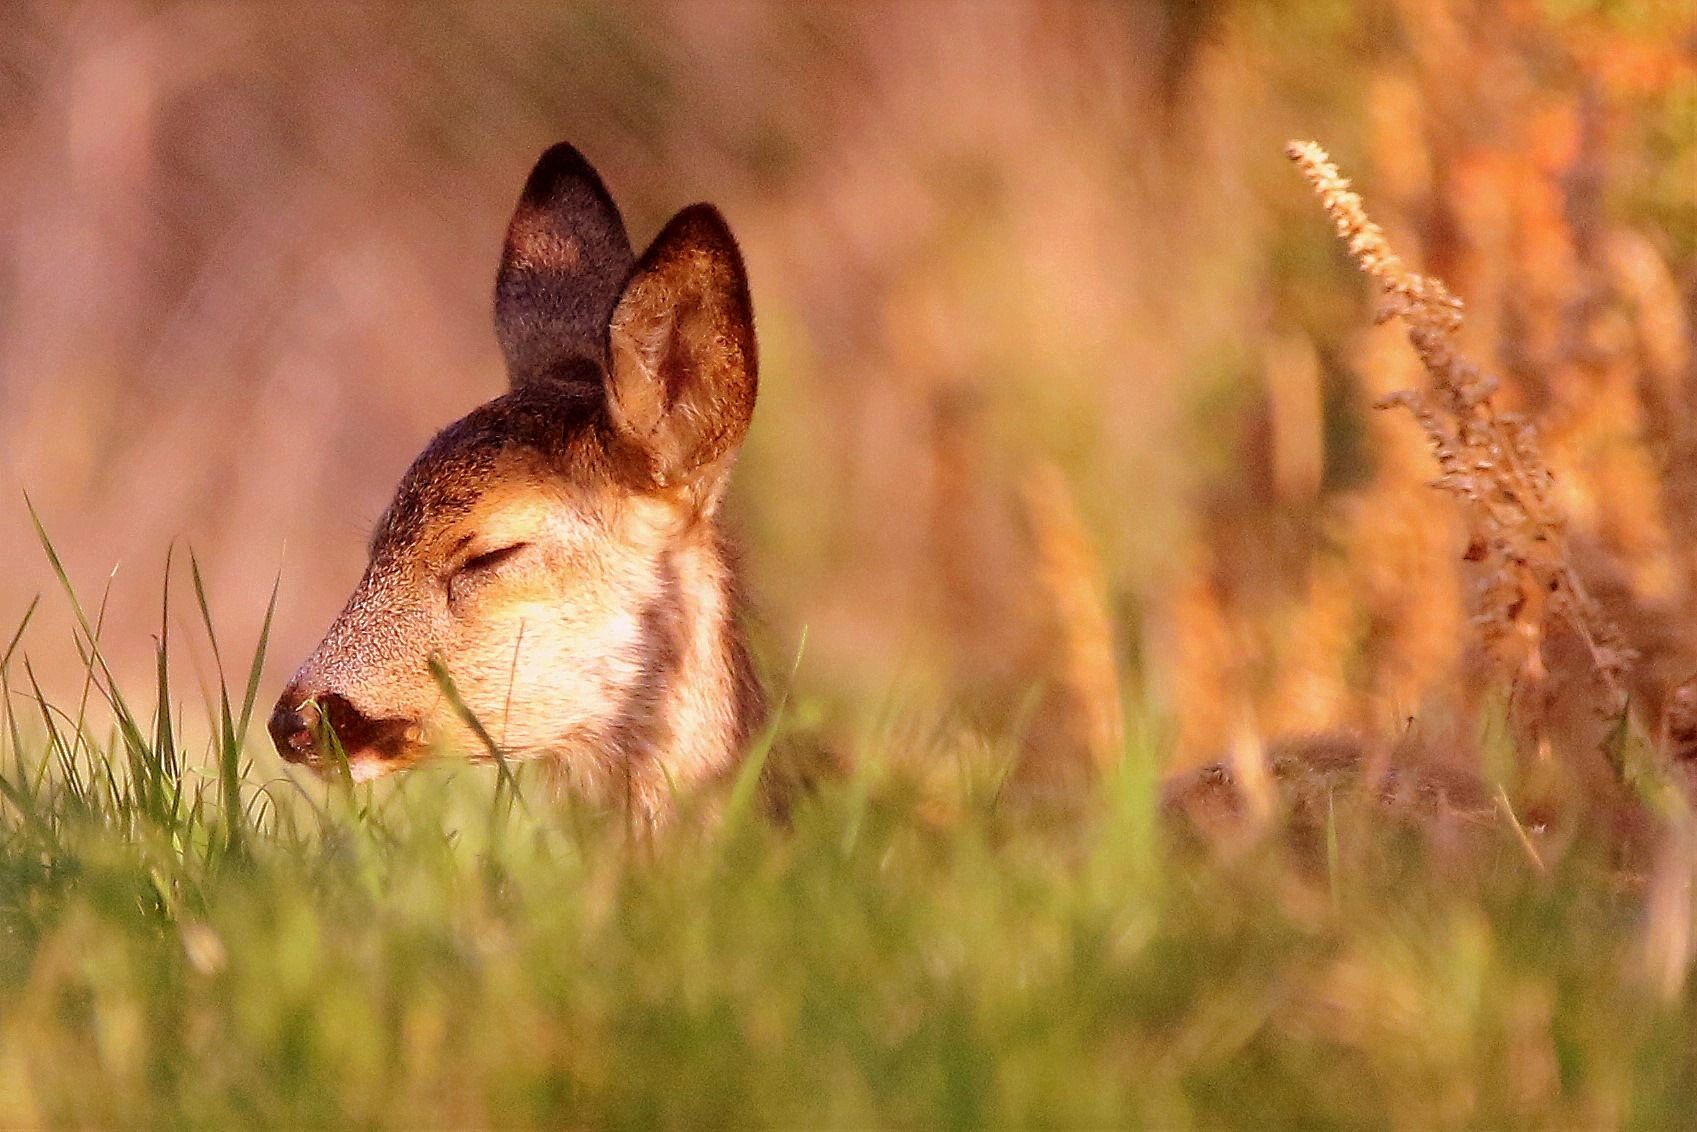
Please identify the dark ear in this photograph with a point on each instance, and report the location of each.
(565, 259)
(681, 370)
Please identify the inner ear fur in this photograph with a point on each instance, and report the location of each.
(681, 355)
(565, 259)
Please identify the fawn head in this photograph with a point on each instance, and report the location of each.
(549, 580)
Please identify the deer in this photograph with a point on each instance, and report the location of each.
(552, 580)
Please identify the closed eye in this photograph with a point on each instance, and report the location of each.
(489, 559)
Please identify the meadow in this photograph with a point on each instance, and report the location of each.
(1093, 445)
(189, 937)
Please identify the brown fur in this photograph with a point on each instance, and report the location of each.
(557, 550)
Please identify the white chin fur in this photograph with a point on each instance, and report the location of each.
(365, 770)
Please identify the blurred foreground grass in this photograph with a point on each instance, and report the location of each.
(187, 938)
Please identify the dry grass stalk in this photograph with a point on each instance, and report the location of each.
(1490, 460)
(1491, 463)
(1080, 630)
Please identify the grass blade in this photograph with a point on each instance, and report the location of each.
(126, 719)
(748, 777)
(12, 645)
(164, 743)
(445, 681)
(251, 693)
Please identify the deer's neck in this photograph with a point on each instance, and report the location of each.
(698, 702)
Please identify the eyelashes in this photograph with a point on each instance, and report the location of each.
(479, 568)
(489, 559)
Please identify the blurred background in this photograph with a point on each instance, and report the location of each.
(1066, 385)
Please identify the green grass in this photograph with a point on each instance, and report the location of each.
(187, 936)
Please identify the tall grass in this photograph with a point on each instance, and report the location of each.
(187, 935)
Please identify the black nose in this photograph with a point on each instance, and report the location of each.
(294, 729)
(300, 724)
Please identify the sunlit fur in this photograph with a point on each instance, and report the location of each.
(552, 560)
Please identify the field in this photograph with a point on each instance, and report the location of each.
(190, 940)
(1096, 441)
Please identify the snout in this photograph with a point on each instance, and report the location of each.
(302, 723)
(294, 728)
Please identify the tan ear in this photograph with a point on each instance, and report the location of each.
(681, 355)
(565, 258)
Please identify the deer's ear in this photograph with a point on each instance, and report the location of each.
(681, 356)
(565, 258)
